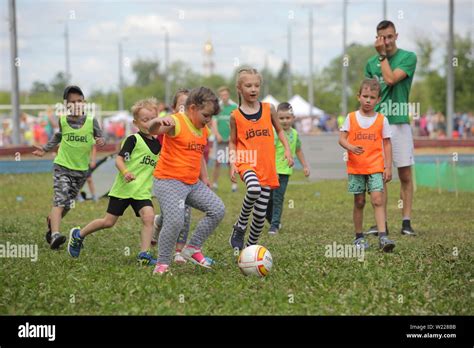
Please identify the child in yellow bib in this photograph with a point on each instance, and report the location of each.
(77, 134)
(132, 186)
(365, 135)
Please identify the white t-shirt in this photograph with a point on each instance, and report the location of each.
(365, 122)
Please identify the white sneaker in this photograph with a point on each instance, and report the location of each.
(179, 259)
(234, 187)
(156, 230)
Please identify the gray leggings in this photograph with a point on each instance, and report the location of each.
(173, 196)
(183, 235)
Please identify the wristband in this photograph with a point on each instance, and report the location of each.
(124, 172)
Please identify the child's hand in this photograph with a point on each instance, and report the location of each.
(206, 182)
(387, 175)
(92, 164)
(99, 141)
(39, 151)
(166, 121)
(358, 150)
(129, 177)
(306, 171)
(289, 158)
(233, 170)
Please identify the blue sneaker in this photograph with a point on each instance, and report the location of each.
(236, 239)
(386, 244)
(361, 243)
(145, 258)
(75, 242)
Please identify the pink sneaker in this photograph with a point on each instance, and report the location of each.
(161, 269)
(195, 255)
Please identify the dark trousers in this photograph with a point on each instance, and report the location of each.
(275, 205)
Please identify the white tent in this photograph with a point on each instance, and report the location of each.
(271, 99)
(301, 107)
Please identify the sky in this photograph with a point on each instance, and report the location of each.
(251, 32)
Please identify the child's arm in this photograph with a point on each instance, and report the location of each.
(357, 150)
(93, 157)
(98, 136)
(203, 176)
(232, 148)
(300, 155)
(281, 136)
(215, 130)
(387, 148)
(55, 140)
(161, 125)
(120, 164)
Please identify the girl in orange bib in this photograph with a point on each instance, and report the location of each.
(252, 155)
(177, 178)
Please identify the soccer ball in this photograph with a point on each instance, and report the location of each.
(255, 260)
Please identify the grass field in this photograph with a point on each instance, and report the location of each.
(429, 274)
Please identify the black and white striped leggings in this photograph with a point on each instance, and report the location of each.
(257, 198)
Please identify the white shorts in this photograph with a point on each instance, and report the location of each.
(402, 145)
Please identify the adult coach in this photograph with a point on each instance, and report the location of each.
(394, 69)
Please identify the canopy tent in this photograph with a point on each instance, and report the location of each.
(271, 99)
(301, 107)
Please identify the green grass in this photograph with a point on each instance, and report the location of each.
(422, 277)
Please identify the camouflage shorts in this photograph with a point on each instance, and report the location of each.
(359, 183)
(66, 185)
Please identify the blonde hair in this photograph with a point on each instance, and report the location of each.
(242, 71)
(148, 103)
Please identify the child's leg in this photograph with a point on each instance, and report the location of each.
(55, 217)
(204, 199)
(377, 200)
(171, 195)
(358, 213)
(253, 192)
(183, 235)
(277, 202)
(147, 215)
(99, 224)
(258, 220)
(91, 185)
(269, 213)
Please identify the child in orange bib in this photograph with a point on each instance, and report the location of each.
(252, 155)
(365, 135)
(177, 178)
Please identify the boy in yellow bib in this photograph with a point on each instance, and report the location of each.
(132, 186)
(76, 137)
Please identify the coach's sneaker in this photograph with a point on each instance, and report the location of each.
(57, 239)
(374, 231)
(75, 242)
(178, 258)
(145, 258)
(386, 244)
(195, 255)
(236, 239)
(361, 243)
(406, 228)
(156, 229)
(161, 269)
(48, 234)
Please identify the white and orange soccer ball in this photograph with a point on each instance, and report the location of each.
(255, 260)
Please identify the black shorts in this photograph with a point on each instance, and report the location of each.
(118, 205)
